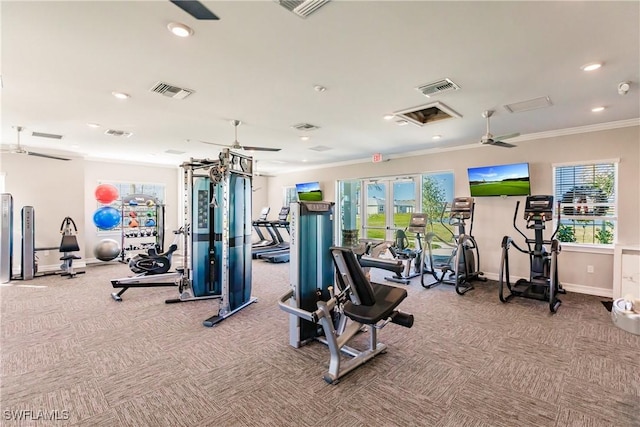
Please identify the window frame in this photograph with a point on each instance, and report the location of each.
(590, 247)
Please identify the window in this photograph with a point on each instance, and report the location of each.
(437, 189)
(289, 195)
(588, 202)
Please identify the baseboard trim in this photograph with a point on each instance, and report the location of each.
(570, 287)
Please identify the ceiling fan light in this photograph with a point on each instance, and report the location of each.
(179, 29)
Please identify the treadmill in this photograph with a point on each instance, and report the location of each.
(261, 222)
(281, 255)
(279, 244)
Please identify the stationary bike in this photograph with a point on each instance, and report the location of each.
(402, 251)
(543, 283)
(463, 265)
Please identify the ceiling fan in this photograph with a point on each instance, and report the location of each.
(488, 139)
(19, 149)
(236, 145)
(195, 9)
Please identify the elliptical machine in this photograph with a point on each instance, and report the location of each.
(543, 283)
(463, 265)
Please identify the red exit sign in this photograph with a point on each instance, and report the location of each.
(376, 158)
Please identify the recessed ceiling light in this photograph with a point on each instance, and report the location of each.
(388, 116)
(121, 95)
(319, 88)
(304, 138)
(179, 29)
(304, 160)
(75, 146)
(402, 122)
(591, 66)
(93, 125)
(597, 109)
(436, 137)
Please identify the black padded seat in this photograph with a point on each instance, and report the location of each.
(387, 299)
(372, 302)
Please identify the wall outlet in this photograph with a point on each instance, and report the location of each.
(589, 268)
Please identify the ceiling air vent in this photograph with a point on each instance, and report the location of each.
(302, 8)
(426, 114)
(305, 127)
(114, 132)
(444, 85)
(531, 104)
(171, 91)
(320, 148)
(171, 151)
(46, 135)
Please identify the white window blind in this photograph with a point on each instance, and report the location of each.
(587, 194)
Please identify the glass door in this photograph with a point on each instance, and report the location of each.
(376, 195)
(389, 205)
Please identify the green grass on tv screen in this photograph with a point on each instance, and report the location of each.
(503, 188)
(311, 196)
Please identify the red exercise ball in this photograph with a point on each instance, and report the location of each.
(106, 193)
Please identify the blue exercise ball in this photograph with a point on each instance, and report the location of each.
(106, 218)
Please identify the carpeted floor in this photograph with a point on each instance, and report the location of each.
(70, 352)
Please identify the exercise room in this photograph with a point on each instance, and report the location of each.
(316, 212)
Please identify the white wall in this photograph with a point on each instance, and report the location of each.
(494, 215)
(55, 189)
(96, 171)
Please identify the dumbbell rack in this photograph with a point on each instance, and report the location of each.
(141, 238)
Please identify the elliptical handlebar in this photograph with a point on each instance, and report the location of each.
(557, 223)
(515, 218)
(444, 209)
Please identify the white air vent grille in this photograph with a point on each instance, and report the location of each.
(46, 135)
(121, 133)
(305, 127)
(302, 8)
(444, 85)
(171, 91)
(531, 104)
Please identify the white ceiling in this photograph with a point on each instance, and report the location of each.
(259, 64)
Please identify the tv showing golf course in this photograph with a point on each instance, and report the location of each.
(500, 180)
(309, 191)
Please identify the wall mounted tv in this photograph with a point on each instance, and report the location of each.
(309, 191)
(500, 180)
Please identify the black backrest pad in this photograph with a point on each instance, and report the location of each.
(363, 288)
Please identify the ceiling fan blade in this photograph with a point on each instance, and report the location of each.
(511, 135)
(244, 147)
(213, 143)
(502, 144)
(195, 9)
(47, 156)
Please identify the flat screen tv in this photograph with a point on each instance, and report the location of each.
(500, 180)
(309, 191)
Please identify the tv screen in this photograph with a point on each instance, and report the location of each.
(309, 191)
(501, 180)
